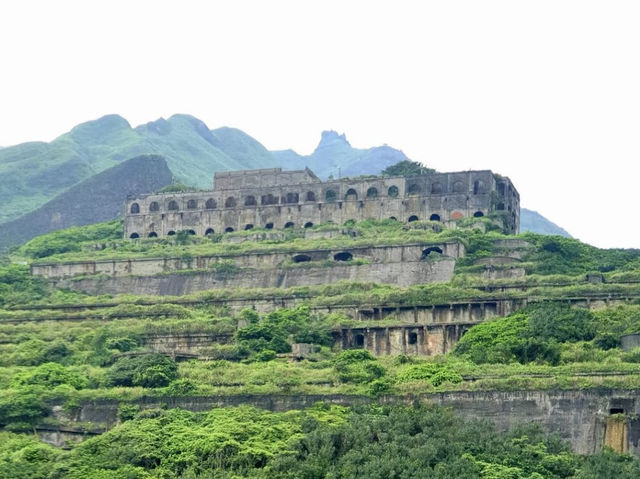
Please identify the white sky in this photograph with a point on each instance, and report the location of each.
(546, 92)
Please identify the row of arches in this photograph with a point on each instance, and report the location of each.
(308, 224)
(293, 198)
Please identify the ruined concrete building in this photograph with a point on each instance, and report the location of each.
(273, 198)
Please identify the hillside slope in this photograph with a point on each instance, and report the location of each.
(98, 198)
(536, 223)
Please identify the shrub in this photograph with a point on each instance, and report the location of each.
(265, 355)
(154, 370)
(49, 375)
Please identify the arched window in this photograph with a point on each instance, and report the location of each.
(351, 194)
(393, 218)
(434, 217)
(192, 204)
(330, 195)
(393, 191)
(230, 202)
(248, 226)
(135, 208)
(308, 224)
(436, 188)
(268, 226)
(288, 224)
(428, 251)
(372, 192)
(343, 256)
(414, 189)
(311, 196)
(154, 206)
(291, 198)
(134, 236)
(478, 214)
(228, 230)
(191, 232)
(173, 205)
(171, 233)
(478, 187)
(301, 258)
(210, 204)
(458, 187)
(269, 199)
(209, 232)
(153, 234)
(250, 201)
(413, 218)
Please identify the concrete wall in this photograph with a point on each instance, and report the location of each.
(449, 195)
(402, 274)
(579, 417)
(152, 266)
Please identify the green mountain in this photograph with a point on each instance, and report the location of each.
(536, 223)
(36, 172)
(335, 156)
(98, 198)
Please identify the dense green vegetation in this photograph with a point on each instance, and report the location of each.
(320, 442)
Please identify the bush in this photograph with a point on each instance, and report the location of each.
(152, 371)
(265, 355)
(49, 375)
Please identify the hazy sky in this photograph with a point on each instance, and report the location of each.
(545, 92)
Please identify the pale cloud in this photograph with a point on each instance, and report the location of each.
(545, 92)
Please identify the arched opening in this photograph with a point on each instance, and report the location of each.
(436, 188)
(269, 199)
(413, 218)
(154, 206)
(268, 226)
(248, 227)
(393, 191)
(171, 233)
(456, 215)
(135, 208)
(210, 204)
(153, 234)
(192, 204)
(458, 187)
(291, 198)
(478, 187)
(500, 207)
(431, 249)
(434, 217)
(173, 205)
(230, 202)
(250, 201)
(209, 232)
(351, 194)
(413, 338)
(414, 189)
(478, 214)
(308, 224)
(191, 232)
(134, 236)
(311, 196)
(330, 195)
(358, 340)
(350, 223)
(393, 218)
(301, 258)
(288, 224)
(343, 256)
(228, 230)
(372, 192)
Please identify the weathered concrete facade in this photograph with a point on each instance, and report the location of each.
(272, 198)
(268, 259)
(580, 417)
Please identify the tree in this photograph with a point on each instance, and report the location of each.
(407, 168)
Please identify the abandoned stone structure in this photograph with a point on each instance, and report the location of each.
(273, 198)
